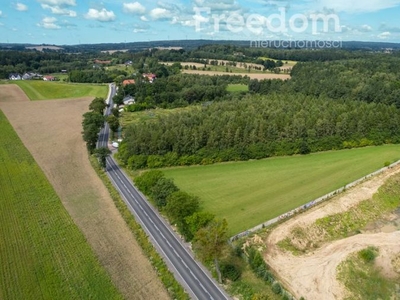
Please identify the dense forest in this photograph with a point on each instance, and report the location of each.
(257, 127)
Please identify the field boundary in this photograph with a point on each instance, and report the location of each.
(311, 203)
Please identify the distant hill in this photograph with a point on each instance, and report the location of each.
(185, 44)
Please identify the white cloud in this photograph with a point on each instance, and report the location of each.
(384, 35)
(57, 10)
(21, 7)
(49, 23)
(134, 8)
(144, 19)
(102, 15)
(358, 6)
(366, 28)
(59, 3)
(160, 13)
(1, 13)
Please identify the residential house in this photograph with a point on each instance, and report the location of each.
(128, 81)
(49, 78)
(150, 77)
(15, 76)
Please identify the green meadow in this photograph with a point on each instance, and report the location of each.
(43, 255)
(45, 90)
(249, 193)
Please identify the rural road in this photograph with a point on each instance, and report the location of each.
(196, 281)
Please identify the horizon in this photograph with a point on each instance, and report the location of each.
(66, 22)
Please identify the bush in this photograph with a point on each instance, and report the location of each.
(387, 163)
(276, 288)
(369, 254)
(230, 271)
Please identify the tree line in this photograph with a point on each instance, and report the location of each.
(257, 127)
(177, 90)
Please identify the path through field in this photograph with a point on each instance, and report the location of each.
(313, 276)
(51, 130)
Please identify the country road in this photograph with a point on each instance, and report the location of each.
(194, 278)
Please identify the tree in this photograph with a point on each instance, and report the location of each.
(102, 154)
(147, 180)
(90, 135)
(93, 118)
(115, 112)
(199, 220)
(181, 205)
(98, 105)
(113, 121)
(210, 242)
(162, 189)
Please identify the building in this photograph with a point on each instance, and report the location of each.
(128, 81)
(15, 76)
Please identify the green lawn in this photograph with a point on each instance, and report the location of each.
(249, 193)
(43, 255)
(236, 88)
(45, 90)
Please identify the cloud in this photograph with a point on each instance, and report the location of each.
(144, 19)
(102, 15)
(57, 10)
(383, 27)
(1, 13)
(21, 7)
(134, 8)
(384, 35)
(49, 23)
(365, 28)
(358, 6)
(160, 13)
(59, 3)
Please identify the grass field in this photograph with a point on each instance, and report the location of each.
(45, 90)
(43, 255)
(249, 193)
(236, 88)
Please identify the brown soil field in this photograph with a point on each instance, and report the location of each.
(313, 275)
(51, 130)
(251, 75)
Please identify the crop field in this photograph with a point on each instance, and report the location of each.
(44, 90)
(249, 193)
(43, 254)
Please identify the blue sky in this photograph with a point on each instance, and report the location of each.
(117, 21)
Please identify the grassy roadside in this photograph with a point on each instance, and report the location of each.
(174, 289)
(43, 254)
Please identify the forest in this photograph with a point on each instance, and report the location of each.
(257, 127)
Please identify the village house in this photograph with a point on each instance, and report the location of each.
(15, 76)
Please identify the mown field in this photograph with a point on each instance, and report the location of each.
(249, 193)
(43, 255)
(43, 90)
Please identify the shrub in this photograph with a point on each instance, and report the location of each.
(230, 271)
(369, 254)
(276, 288)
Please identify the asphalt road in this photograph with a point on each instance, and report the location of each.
(196, 281)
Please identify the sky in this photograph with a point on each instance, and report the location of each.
(71, 22)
